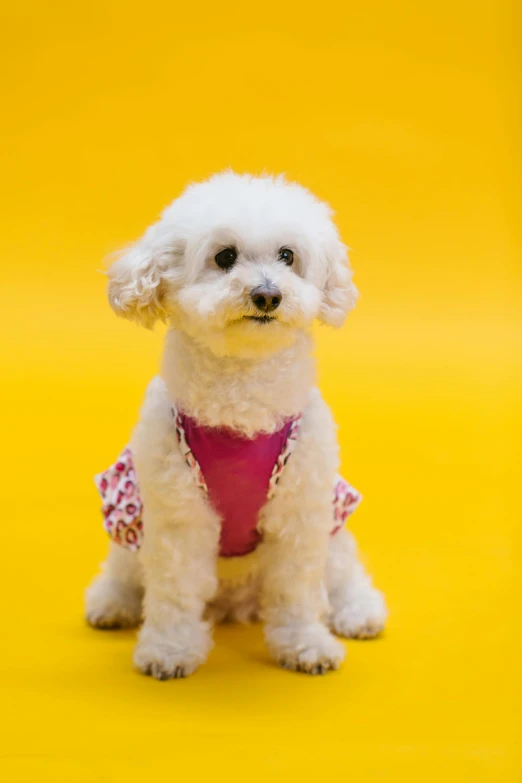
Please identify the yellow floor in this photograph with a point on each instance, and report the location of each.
(401, 114)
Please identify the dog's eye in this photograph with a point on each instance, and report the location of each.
(286, 255)
(226, 258)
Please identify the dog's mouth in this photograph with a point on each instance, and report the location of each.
(260, 319)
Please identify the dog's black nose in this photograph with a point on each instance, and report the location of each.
(266, 297)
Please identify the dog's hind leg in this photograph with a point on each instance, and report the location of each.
(114, 598)
(358, 610)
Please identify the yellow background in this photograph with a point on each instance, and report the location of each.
(403, 116)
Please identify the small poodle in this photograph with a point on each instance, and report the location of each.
(240, 512)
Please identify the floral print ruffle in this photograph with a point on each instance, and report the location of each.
(121, 502)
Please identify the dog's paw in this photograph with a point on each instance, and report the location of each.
(305, 648)
(173, 654)
(112, 604)
(362, 617)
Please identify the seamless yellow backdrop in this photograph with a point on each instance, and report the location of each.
(404, 117)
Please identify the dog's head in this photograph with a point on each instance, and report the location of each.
(240, 263)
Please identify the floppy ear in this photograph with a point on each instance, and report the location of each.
(140, 280)
(339, 293)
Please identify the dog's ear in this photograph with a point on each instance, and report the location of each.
(140, 280)
(339, 293)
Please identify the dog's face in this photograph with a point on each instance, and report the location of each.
(240, 263)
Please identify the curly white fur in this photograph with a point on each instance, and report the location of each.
(223, 368)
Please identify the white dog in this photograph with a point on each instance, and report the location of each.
(235, 451)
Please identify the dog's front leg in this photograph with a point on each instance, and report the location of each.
(296, 528)
(179, 552)
(294, 605)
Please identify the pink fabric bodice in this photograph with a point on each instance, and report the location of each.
(237, 473)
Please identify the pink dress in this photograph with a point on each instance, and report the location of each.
(237, 475)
